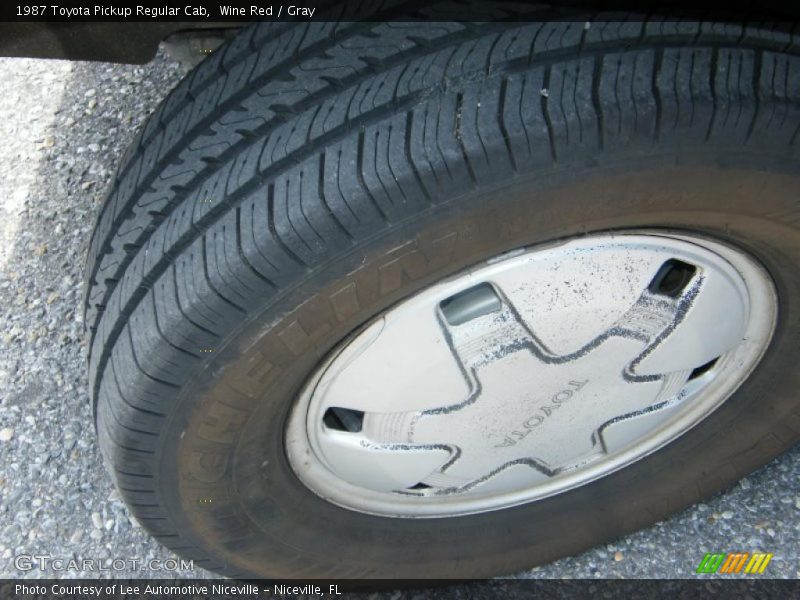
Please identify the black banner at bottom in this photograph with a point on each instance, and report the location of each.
(221, 589)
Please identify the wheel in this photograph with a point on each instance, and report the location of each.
(391, 300)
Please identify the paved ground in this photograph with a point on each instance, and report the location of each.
(62, 129)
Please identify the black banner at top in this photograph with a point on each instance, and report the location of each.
(205, 13)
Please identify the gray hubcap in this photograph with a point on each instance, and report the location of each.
(531, 374)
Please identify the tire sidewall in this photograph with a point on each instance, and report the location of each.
(223, 472)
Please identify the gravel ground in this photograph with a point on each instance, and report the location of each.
(63, 128)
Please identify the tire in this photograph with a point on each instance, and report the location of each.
(307, 177)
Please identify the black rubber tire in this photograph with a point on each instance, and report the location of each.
(307, 176)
